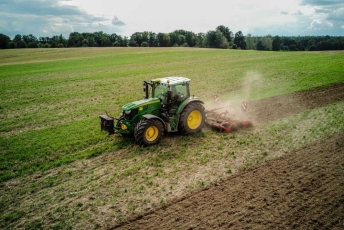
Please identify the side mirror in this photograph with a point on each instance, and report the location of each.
(144, 87)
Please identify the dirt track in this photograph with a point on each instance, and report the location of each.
(272, 108)
(301, 190)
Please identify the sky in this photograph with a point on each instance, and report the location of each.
(46, 18)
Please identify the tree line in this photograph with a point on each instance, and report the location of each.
(222, 37)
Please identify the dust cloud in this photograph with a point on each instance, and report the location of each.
(235, 105)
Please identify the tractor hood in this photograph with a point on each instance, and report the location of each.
(140, 104)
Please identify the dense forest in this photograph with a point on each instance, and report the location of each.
(222, 37)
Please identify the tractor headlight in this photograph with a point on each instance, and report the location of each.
(123, 127)
(127, 112)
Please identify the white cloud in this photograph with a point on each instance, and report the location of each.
(49, 18)
(337, 15)
(292, 17)
(327, 16)
(116, 22)
(318, 24)
(159, 16)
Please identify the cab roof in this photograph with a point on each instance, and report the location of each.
(171, 80)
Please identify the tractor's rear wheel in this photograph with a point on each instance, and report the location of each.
(148, 132)
(192, 118)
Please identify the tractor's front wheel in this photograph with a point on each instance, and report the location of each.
(148, 132)
(192, 118)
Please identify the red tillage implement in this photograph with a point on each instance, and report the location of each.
(222, 121)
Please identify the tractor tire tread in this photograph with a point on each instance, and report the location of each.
(139, 132)
(183, 127)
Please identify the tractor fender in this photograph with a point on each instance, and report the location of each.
(188, 101)
(151, 116)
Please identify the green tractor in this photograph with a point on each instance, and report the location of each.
(166, 107)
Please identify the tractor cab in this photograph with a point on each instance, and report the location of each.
(170, 90)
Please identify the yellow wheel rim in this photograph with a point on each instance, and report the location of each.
(152, 133)
(194, 119)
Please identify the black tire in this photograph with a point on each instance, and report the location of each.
(148, 132)
(192, 118)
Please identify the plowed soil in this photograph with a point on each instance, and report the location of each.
(303, 189)
(273, 108)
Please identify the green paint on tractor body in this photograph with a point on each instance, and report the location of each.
(134, 111)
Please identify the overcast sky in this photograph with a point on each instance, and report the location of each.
(257, 17)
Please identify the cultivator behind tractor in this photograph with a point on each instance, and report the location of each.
(222, 121)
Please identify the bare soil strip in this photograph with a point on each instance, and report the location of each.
(273, 108)
(301, 190)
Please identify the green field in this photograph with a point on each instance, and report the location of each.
(58, 170)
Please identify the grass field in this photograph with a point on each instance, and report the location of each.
(58, 170)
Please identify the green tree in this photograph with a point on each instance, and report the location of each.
(113, 38)
(239, 40)
(97, 37)
(92, 42)
(4, 40)
(185, 44)
(200, 38)
(250, 42)
(54, 41)
(75, 40)
(29, 38)
(226, 32)
(125, 41)
(260, 45)
(215, 39)
(152, 39)
(144, 44)
(190, 38)
(276, 43)
(145, 37)
(62, 40)
(136, 39)
(12, 45)
(21, 44)
(174, 38)
(43, 40)
(85, 43)
(224, 43)
(17, 38)
(267, 42)
(181, 39)
(293, 48)
(120, 40)
(33, 45)
(164, 40)
(105, 41)
(132, 43)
